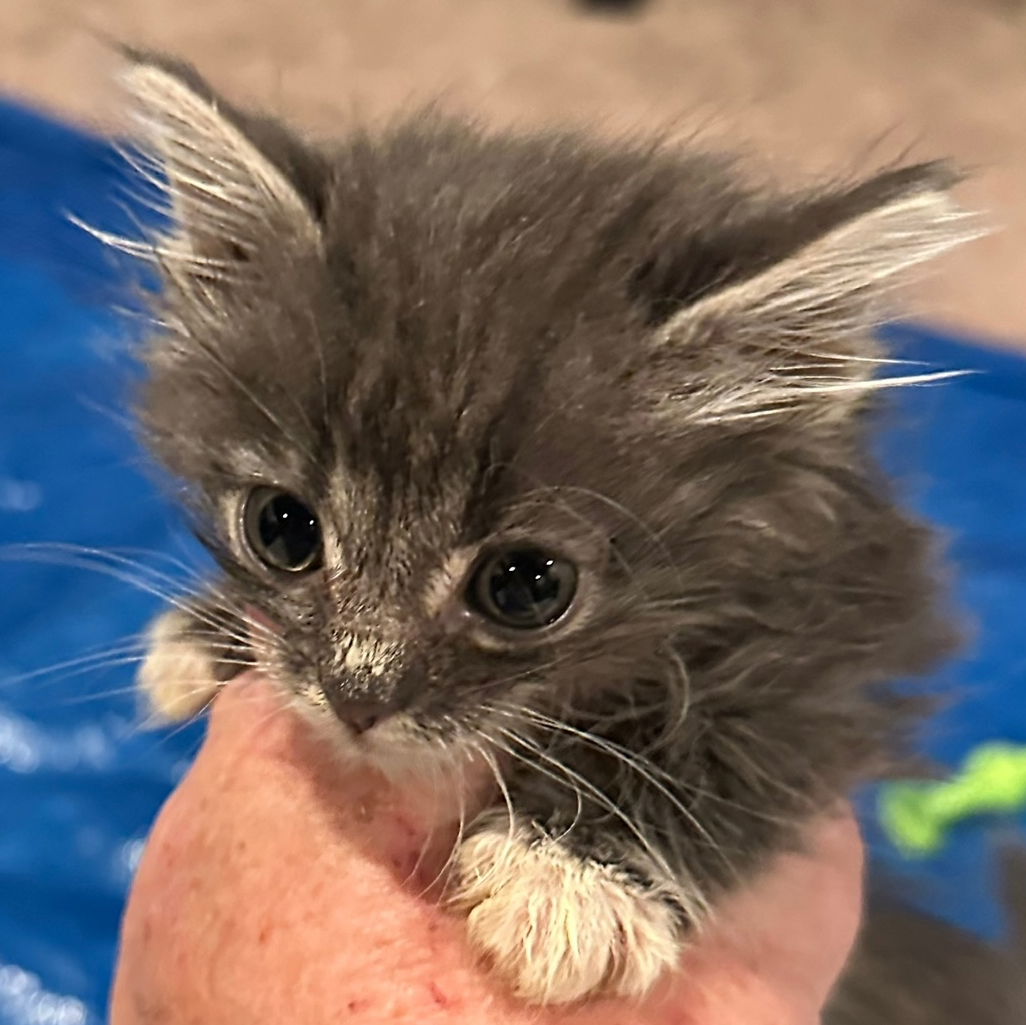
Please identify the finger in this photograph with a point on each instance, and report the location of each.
(785, 939)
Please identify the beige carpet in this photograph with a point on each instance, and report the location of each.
(806, 86)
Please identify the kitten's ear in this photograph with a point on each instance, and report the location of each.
(228, 196)
(797, 330)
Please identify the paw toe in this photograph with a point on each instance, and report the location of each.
(559, 929)
(177, 676)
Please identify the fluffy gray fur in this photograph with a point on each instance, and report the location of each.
(442, 338)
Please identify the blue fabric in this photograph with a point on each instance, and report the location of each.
(80, 784)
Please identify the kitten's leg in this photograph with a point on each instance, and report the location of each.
(188, 660)
(558, 923)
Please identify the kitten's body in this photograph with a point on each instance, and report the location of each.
(457, 354)
(913, 969)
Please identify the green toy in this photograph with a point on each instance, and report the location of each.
(918, 816)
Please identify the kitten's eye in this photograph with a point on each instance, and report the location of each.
(282, 532)
(523, 588)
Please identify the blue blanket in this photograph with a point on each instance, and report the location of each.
(80, 784)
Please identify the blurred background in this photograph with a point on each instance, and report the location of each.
(87, 545)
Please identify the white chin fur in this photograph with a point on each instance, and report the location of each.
(396, 747)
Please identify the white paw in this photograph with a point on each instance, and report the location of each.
(558, 929)
(177, 677)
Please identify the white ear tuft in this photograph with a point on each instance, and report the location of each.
(226, 195)
(796, 336)
(832, 286)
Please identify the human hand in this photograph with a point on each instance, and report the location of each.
(276, 888)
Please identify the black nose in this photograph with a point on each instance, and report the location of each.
(359, 714)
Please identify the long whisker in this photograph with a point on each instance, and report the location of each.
(113, 692)
(429, 836)
(116, 662)
(82, 663)
(587, 787)
(461, 830)
(500, 782)
(144, 578)
(491, 761)
(643, 768)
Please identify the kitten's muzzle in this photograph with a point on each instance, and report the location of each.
(356, 708)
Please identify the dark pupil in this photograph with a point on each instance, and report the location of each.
(288, 532)
(528, 588)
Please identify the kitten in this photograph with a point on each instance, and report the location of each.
(553, 453)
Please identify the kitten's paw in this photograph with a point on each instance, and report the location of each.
(177, 677)
(559, 929)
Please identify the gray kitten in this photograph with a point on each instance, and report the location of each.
(549, 453)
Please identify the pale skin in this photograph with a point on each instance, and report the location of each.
(281, 887)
